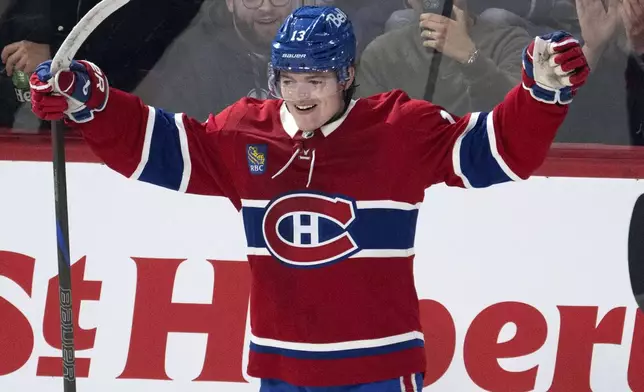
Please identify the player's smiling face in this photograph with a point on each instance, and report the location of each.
(312, 98)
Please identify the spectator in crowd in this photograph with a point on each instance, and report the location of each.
(401, 18)
(599, 114)
(24, 43)
(367, 16)
(212, 64)
(536, 16)
(480, 63)
(130, 41)
(633, 17)
(126, 45)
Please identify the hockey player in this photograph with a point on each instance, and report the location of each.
(328, 187)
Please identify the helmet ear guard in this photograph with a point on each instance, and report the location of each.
(344, 75)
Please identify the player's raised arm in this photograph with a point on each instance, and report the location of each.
(511, 142)
(140, 142)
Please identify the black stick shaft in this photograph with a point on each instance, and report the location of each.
(64, 261)
(434, 67)
(437, 56)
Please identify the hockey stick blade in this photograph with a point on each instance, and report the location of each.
(82, 30)
(61, 61)
(636, 251)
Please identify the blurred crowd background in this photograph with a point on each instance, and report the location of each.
(198, 56)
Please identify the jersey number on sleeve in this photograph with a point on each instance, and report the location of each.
(448, 117)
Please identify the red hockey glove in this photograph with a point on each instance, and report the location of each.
(554, 67)
(75, 93)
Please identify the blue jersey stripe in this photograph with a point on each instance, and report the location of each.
(373, 228)
(352, 353)
(165, 164)
(419, 381)
(391, 385)
(477, 161)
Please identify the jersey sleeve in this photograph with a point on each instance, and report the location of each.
(481, 149)
(170, 150)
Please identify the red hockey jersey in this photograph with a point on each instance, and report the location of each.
(329, 218)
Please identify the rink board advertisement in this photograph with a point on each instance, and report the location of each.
(522, 286)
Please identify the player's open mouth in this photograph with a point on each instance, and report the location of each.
(305, 108)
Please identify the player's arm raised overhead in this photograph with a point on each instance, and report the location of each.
(140, 142)
(509, 143)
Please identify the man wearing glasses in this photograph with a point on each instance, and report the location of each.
(213, 63)
(257, 21)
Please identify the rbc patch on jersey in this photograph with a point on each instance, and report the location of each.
(257, 155)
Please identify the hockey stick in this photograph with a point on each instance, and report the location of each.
(636, 251)
(61, 61)
(433, 6)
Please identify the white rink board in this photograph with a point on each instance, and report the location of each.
(545, 243)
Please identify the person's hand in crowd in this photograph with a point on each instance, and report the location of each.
(632, 13)
(598, 26)
(24, 56)
(448, 36)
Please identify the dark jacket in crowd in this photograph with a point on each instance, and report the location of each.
(635, 98)
(598, 113)
(130, 41)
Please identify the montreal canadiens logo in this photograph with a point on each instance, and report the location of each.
(309, 230)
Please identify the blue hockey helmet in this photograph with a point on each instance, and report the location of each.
(313, 39)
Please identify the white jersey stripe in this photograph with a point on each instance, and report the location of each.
(254, 203)
(387, 204)
(456, 152)
(185, 152)
(257, 251)
(147, 142)
(362, 205)
(338, 346)
(491, 135)
(384, 253)
(366, 253)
